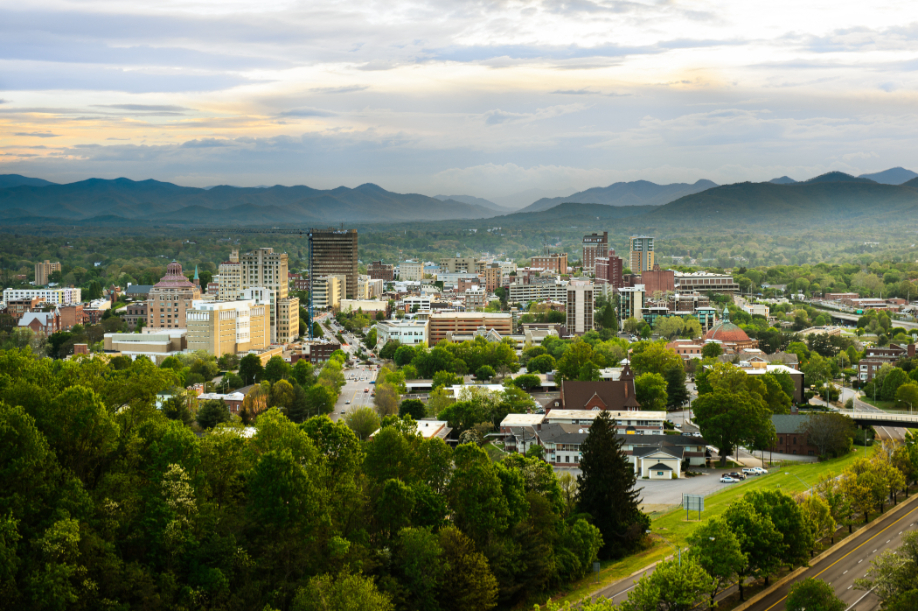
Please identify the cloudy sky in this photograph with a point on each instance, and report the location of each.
(447, 96)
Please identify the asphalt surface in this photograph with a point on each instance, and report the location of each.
(357, 379)
(851, 561)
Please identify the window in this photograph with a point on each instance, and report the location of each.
(659, 473)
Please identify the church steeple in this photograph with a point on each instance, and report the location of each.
(197, 279)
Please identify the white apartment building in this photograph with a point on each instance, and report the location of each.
(550, 291)
(579, 307)
(59, 296)
(328, 291)
(451, 279)
(409, 331)
(757, 308)
(422, 302)
(411, 270)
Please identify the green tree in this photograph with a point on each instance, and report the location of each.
(527, 382)
(711, 350)
(572, 362)
(676, 392)
(654, 358)
(282, 395)
(363, 421)
(304, 373)
(907, 395)
(470, 585)
(607, 493)
(484, 373)
(412, 407)
(670, 326)
(717, 551)
(250, 369)
(759, 540)
(445, 379)
(671, 586)
(541, 364)
(813, 595)
(342, 593)
(650, 391)
(894, 379)
(212, 413)
(797, 533)
(776, 398)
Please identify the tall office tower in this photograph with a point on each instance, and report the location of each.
(264, 268)
(594, 247)
(44, 270)
(230, 278)
(579, 307)
(641, 254)
(334, 252)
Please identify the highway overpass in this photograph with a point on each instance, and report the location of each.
(879, 418)
(855, 317)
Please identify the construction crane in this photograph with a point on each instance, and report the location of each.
(307, 233)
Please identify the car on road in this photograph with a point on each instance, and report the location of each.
(366, 390)
(738, 476)
(348, 402)
(750, 471)
(726, 479)
(761, 471)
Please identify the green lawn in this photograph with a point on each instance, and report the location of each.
(886, 406)
(673, 526)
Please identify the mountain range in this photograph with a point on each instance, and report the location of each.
(828, 198)
(892, 176)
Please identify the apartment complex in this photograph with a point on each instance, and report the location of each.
(595, 246)
(705, 281)
(411, 270)
(466, 323)
(377, 270)
(476, 299)
(334, 252)
(608, 271)
(44, 270)
(641, 254)
(170, 299)
(264, 268)
(229, 327)
(328, 291)
(875, 357)
(579, 307)
(548, 290)
(491, 274)
(630, 302)
(62, 296)
(459, 264)
(554, 262)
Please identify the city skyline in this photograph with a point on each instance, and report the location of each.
(435, 98)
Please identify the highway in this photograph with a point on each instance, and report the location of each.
(851, 561)
(357, 379)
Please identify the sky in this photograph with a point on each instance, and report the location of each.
(486, 98)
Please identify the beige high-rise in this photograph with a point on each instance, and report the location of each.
(230, 277)
(44, 270)
(641, 254)
(265, 268)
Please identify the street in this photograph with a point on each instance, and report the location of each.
(357, 379)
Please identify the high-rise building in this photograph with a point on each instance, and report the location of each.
(459, 264)
(444, 324)
(230, 278)
(630, 302)
(377, 270)
(334, 252)
(594, 247)
(264, 268)
(641, 254)
(229, 327)
(170, 299)
(492, 276)
(608, 272)
(555, 262)
(327, 291)
(44, 270)
(579, 307)
(411, 270)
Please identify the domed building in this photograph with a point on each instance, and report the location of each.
(170, 298)
(731, 338)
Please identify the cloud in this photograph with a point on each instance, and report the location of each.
(860, 155)
(306, 112)
(145, 107)
(346, 89)
(206, 143)
(36, 134)
(117, 138)
(576, 92)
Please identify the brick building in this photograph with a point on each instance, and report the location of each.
(71, 315)
(170, 298)
(381, 271)
(466, 323)
(608, 270)
(133, 313)
(791, 438)
(555, 262)
(876, 357)
(17, 307)
(595, 246)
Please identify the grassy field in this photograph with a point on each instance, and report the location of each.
(886, 406)
(674, 527)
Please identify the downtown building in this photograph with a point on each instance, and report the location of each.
(229, 327)
(61, 296)
(554, 262)
(579, 307)
(170, 299)
(265, 269)
(595, 246)
(608, 272)
(44, 270)
(641, 254)
(334, 253)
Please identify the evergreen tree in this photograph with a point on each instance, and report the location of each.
(676, 391)
(607, 493)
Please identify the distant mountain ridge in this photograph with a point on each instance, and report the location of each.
(150, 201)
(892, 176)
(636, 193)
(474, 201)
(17, 180)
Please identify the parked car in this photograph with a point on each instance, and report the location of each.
(348, 402)
(726, 479)
(750, 471)
(738, 476)
(761, 471)
(366, 390)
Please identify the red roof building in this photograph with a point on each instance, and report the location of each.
(613, 395)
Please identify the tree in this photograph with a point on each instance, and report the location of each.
(692, 328)
(711, 350)
(654, 358)
(282, 395)
(606, 486)
(717, 550)
(670, 326)
(255, 402)
(789, 520)
(320, 400)
(250, 369)
(631, 325)
(894, 379)
(813, 595)
(484, 373)
(276, 369)
(818, 514)
(607, 318)
(386, 399)
(676, 392)
(412, 407)
(342, 593)
(388, 351)
(445, 378)
(176, 408)
(363, 421)
(470, 585)
(527, 381)
(650, 391)
(304, 373)
(541, 364)
(212, 413)
(671, 586)
(575, 357)
(831, 433)
(893, 574)
(759, 540)
(728, 419)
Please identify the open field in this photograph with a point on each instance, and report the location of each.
(674, 527)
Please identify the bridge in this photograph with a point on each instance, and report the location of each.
(865, 417)
(854, 318)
